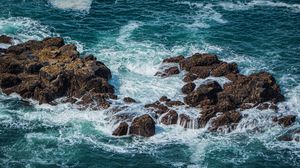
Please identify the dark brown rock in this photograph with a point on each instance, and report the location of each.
(198, 60)
(201, 71)
(189, 77)
(188, 88)
(48, 69)
(287, 120)
(129, 100)
(164, 99)
(168, 72)
(5, 39)
(170, 118)
(143, 125)
(204, 91)
(226, 119)
(176, 59)
(174, 103)
(224, 69)
(121, 130)
(185, 121)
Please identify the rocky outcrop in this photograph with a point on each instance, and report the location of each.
(143, 125)
(49, 69)
(221, 104)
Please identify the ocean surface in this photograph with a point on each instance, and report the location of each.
(132, 37)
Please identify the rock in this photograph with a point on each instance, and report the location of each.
(204, 91)
(224, 69)
(174, 103)
(173, 59)
(9, 80)
(48, 69)
(6, 39)
(53, 42)
(170, 118)
(143, 125)
(164, 99)
(188, 88)
(190, 77)
(286, 120)
(228, 119)
(158, 107)
(129, 100)
(121, 130)
(198, 60)
(186, 121)
(168, 72)
(201, 71)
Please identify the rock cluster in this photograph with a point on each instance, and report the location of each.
(219, 105)
(49, 69)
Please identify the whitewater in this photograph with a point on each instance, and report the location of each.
(132, 38)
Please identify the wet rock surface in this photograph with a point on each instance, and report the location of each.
(222, 104)
(50, 69)
(143, 125)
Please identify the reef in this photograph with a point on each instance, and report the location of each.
(50, 69)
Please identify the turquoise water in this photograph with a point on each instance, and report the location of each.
(132, 37)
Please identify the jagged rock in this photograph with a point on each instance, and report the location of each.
(5, 39)
(224, 69)
(185, 121)
(143, 125)
(129, 100)
(168, 72)
(190, 77)
(203, 92)
(286, 120)
(188, 88)
(121, 130)
(174, 103)
(158, 107)
(198, 60)
(228, 119)
(164, 99)
(48, 69)
(173, 59)
(170, 117)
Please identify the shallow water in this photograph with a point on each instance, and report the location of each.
(132, 38)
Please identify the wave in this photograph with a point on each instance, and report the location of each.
(204, 14)
(78, 5)
(230, 6)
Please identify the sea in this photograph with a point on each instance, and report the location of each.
(132, 37)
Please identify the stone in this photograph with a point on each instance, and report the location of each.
(188, 88)
(6, 39)
(129, 100)
(143, 125)
(176, 59)
(287, 120)
(170, 118)
(121, 130)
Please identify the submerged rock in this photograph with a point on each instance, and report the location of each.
(286, 120)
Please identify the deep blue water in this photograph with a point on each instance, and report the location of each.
(132, 37)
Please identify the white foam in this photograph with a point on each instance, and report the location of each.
(79, 5)
(267, 3)
(24, 29)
